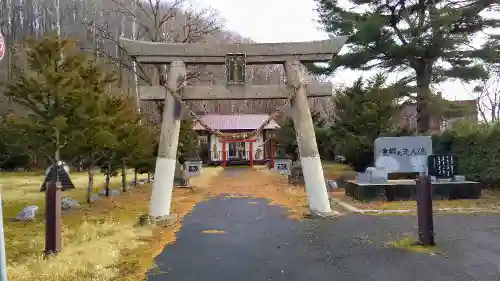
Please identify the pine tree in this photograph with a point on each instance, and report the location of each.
(52, 91)
(364, 111)
(429, 39)
(188, 141)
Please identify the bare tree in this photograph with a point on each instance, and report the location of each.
(487, 94)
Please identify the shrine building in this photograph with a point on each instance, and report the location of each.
(249, 151)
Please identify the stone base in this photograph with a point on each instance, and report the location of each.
(296, 176)
(332, 214)
(395, 190)
(147, 220)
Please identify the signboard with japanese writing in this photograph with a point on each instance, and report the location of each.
(235, 69)
(403, 154)
(442, 166)
(193, 168)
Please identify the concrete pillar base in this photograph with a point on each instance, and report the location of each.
(148, 220)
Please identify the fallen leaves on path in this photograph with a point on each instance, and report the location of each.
(264, 184)
(213, 231)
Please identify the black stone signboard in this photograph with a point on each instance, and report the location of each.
(64, 179)
(193, 169)
(442, 166)
(281, 167)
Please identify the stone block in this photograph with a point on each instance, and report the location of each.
(377, 175)
(181, 176)
(296, 175)
(362, 178)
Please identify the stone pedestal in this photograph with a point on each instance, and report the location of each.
(296, 174)
(181, 176)
(377, 175)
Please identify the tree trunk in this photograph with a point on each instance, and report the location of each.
(108, 177)
(124, 178)
(53, 206)
(90, 186)
(424, 113)
(149, 177)
(135, 177)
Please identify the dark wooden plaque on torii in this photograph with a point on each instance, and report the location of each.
(63, 179)
(235, 68)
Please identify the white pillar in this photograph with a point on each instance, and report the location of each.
(309, 155)
(161, 196)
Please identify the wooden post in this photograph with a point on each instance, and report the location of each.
(424, 211)
(161, 196)
(53, 213)
(251, 154)
(309, 155)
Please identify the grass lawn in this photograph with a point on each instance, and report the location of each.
(103, 241)
(489, 200)
(334, 170)
(96, 237)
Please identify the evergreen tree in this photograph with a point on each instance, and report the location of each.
(144, 156)
(188, 141)
(430, 39)
(96, 134)
(122, 138)
(50, 88)
(364, 111)
(286, 137)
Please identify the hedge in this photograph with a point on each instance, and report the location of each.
(477, 148)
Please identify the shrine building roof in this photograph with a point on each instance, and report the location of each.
(235, 122)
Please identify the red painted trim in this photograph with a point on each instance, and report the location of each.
(224, 153)
(272, 153)
(251, 154)
(230, 140)
(225, 141)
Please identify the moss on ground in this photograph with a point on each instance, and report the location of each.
(409, 243)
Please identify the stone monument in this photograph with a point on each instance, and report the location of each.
(296, 174)
(282, 162)
(193, 164)
(181, 177)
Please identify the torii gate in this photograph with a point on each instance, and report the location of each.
(291, 55)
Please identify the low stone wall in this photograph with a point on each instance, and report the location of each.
(406, 191)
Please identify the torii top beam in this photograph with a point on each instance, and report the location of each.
(214, 54)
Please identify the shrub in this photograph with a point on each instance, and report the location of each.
(477, 149)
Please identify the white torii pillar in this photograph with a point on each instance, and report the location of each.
(306, 138)
(161, 196)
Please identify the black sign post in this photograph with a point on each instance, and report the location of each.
(442, 166)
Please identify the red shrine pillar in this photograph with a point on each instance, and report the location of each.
(224, 153)
(272, 153)
(251, 154)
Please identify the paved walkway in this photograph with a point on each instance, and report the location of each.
(259, 243)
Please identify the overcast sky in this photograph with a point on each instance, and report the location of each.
(280, 20)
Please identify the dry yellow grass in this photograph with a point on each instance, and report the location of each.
(103, 242)
(92, 239)
(213, 231)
